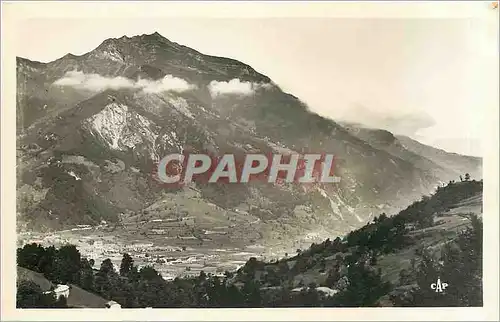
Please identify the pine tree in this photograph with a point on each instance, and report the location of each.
(126, 265)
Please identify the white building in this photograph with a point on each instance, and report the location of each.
(113, 305)
(60, 289)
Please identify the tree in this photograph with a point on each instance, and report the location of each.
(228, 274)
(460, 265)
(126, 265)
(66, 266)
(30, 295)
(202, 277)
(30, 256)
(301, 265)
(107, 266)
(333, 277)
(364, 288)
(251, 293)
(382, 217)
(46, 264)
(106, 279)
(148, 273)
(251, 267)
(86, 275)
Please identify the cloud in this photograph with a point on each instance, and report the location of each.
(167, 83)
(235, 87)
(397, 122)
(93, 82)
(97, 83)
(409, 124)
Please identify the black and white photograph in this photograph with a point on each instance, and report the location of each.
(251, 162)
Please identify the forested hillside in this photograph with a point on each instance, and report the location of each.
(391, 261)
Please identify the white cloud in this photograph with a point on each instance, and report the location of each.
(166, 84)
(97, 83)
(235, 87)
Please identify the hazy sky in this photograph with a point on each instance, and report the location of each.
(432, 79)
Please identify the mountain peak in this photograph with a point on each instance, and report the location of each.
(155, 36)
(124, 43)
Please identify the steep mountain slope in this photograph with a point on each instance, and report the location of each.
(457, 163)
(444, 165)
(91, 129)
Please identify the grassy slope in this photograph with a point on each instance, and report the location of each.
(447, 224)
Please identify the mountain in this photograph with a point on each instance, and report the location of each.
(444, 165)
(456, 163)
(92, 127)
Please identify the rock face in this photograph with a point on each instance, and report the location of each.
(91, 129)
